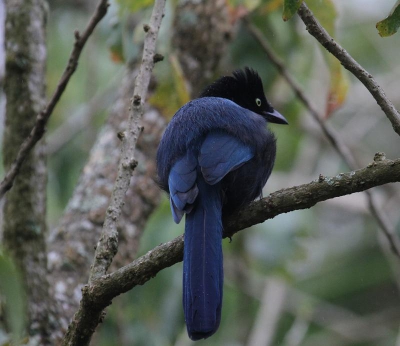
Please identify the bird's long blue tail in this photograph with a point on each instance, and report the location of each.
(202, 263)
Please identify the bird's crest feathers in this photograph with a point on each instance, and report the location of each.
(248, 77)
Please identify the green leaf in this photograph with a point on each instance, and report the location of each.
(338, 88)
(290, 7)
(325, 12)
(391, 24)
(12, 293)
(135, 5)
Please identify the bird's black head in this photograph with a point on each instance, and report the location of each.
(245, 88)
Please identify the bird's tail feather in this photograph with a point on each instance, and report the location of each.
(202, 263)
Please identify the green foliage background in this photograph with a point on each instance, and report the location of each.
(333, 260)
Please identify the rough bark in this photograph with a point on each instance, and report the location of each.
(24, 227)
(202, 31)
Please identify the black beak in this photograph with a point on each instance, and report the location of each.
(275, 117)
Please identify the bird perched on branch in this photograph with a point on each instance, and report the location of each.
(215, 156)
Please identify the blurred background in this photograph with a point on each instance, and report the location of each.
(323, 276)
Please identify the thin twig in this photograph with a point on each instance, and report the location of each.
(108, 243)
(348, 62)
(42, 118)
(331, 134)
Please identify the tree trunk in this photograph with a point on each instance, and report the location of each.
(24, 228)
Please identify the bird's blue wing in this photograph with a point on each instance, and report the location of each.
(221, 153)
(182, 186)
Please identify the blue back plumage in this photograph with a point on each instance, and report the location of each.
(215, 156)
(199, 117)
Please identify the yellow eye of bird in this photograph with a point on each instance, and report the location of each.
(258, 102)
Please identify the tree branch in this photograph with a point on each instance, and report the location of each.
(42, 118)
(108, 243)
(71, 242)
(101, 291)
(307, 195)
(332, 136)
(316, 30)
(90, 312)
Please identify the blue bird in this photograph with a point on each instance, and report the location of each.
(215, 156)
